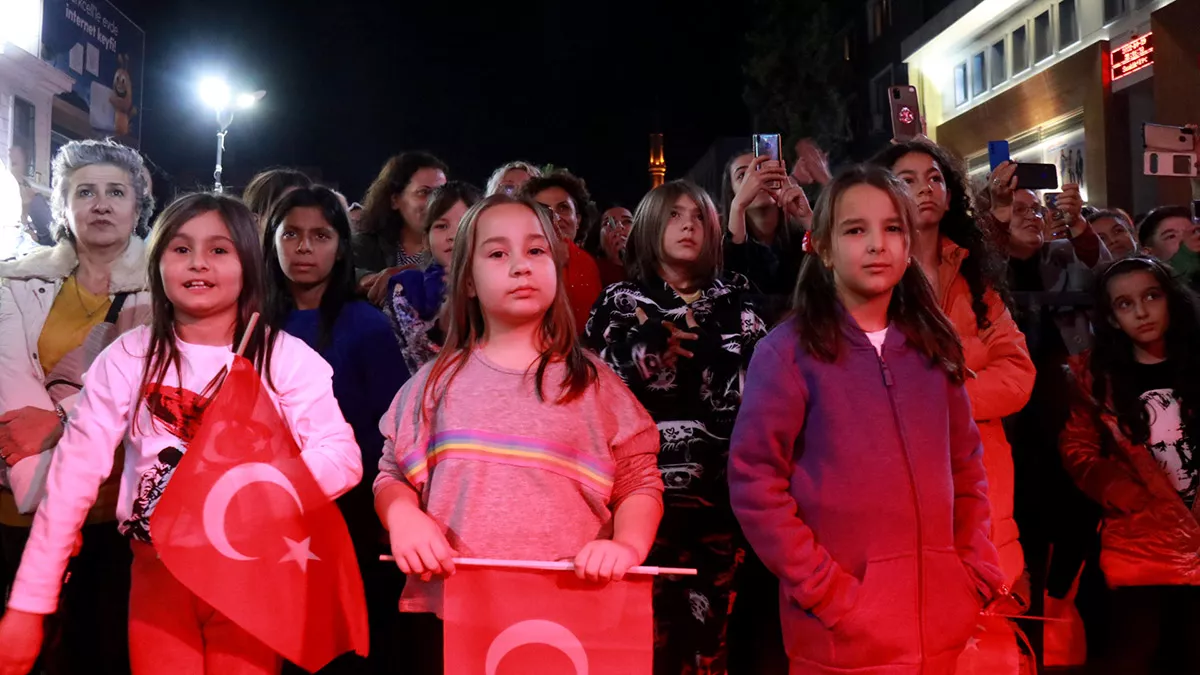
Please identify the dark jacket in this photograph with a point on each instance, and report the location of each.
(861, 485)
(772, 270)
(694, 402)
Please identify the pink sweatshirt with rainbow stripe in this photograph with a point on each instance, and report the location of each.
(508, 476)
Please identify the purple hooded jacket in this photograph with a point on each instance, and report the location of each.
(861, 485)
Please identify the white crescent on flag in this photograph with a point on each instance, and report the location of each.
(223, 491)
(532, 632)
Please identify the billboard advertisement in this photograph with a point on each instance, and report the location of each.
(98, 46)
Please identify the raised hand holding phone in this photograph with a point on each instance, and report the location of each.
(1067, 212)
(759, 175)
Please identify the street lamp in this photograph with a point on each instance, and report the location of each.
(216, 94)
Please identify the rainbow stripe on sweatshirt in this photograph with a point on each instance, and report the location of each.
(593, 473)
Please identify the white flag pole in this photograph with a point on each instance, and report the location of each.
(556, 566)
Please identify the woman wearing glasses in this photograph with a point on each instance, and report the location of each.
(1051, 258)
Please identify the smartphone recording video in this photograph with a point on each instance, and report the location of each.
(906, 113)
(769, 145)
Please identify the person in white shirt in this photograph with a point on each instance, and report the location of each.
(147, 391)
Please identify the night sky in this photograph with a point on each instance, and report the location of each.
(350, 84)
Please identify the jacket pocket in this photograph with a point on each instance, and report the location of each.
(881, 627)
(952, 602)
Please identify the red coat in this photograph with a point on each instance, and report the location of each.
(1159, 545)
(1003, 382)
(582, 280)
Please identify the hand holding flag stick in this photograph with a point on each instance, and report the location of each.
(556, 566)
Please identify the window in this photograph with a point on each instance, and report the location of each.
(1043, 45)
(996, 69)
(1020, 50)
(23, 123)
(978, 75)
(960, 84)
(1068, 24)
(1113, 9)
(880, 106)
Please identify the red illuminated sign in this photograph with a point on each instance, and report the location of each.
(1132, 56)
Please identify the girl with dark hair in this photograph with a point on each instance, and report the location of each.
(969, 284)
(680, 334)
(418, 295)
(515, 442)
(311, 295)
(764, 227)
(146, 393)
(856, 468)
(1131, 445)
(391, 238)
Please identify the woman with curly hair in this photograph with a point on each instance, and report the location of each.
(968, 278)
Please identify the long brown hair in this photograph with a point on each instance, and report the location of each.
(378, 214)
(163, 351)
(467, 327)
(913, 309)
(644, 250)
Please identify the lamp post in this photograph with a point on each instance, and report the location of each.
(216, 94)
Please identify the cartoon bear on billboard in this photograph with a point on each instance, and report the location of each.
(122, 96)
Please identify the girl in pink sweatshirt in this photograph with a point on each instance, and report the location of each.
(145, 394)
(514, 443)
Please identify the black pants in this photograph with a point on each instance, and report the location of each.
(90, 632)
(755, 635)
(1152, 630)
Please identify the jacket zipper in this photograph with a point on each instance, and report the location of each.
(888, 382)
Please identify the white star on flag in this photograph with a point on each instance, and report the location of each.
(298, 552)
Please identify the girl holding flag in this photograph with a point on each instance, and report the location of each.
(514, 443)
(147, 391)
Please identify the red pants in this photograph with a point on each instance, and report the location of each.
(173, 631)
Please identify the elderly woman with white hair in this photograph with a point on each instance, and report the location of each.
(59, 307)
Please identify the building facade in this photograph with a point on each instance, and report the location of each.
(28, 86)
(69, 69)
(1065, 82)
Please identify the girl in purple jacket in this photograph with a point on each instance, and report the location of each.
(855, 468)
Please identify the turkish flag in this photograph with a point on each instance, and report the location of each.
(529, 622)
(244, 525)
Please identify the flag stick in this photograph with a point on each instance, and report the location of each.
(1022, 617)
(249, 331)
(558, 566)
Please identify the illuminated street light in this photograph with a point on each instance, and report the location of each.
(217, 95)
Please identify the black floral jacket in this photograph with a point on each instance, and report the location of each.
(695, 401)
